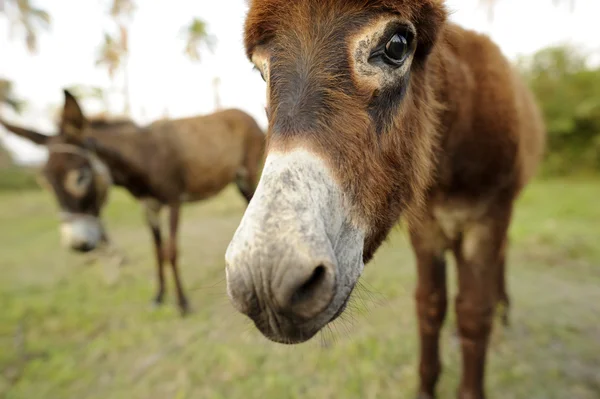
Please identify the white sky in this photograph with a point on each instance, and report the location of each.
(162, 78)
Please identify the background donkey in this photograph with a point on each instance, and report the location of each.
(377, 109)
(165, 164)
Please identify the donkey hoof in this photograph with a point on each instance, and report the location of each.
(184, 308)
(158, 300)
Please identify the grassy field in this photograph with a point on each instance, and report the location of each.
(74, 328)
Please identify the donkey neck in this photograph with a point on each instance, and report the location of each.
(124, 150)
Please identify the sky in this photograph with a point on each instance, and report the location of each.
(163, 80)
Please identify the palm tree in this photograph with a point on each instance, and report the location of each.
(490, 4)
(114, 50)
(9, 100)
(196, 37)
(122, 12)
(23, 14)
(124, 36)
(122, 9)
(110, 55)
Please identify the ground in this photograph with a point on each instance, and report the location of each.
(72, 327)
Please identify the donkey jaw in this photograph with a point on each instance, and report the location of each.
(296, 255)
(288, 331)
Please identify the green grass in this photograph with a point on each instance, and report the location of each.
(18, 178)
(70, 329)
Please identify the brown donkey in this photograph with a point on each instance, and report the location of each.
(377, 109)
(166, 164)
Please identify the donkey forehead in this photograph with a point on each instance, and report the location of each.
(306, 29)
(272, 18)
(60, 162)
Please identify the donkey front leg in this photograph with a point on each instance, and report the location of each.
(502, 299)
(431, 297)
(172, 249)
(478, 257)
(153, 220)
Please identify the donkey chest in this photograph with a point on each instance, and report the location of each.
(454, 216)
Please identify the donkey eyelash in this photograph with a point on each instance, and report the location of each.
(259, 71)
(390, 31)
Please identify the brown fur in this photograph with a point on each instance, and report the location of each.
(450, 149)
(164, 164)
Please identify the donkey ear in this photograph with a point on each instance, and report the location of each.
(30, 135)
(73, 121)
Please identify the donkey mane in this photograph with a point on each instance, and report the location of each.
(102, 122)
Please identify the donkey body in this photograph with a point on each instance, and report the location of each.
(380, 109)
(165, 164)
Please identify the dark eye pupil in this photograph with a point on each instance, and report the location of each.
(396, 48)
(82, 177)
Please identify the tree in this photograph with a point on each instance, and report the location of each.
(197, 37)
(8, 99)
(122, 12)
(110, 55)
(122, 9)
(568, 91)
(22, 14)
(114, 50)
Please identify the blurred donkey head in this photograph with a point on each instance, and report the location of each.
(79, 179)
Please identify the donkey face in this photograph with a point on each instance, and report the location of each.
(80, 183)
(352, 125)
(76, 176)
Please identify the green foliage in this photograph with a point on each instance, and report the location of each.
(29, 19)
(568, 91)
(12, 177)
(197, 37)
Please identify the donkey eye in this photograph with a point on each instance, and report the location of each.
(83, 177)
(396, 49)
(77, 181)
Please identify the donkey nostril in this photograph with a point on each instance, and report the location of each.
(311, 286)
(313, 295)
(84, 247)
